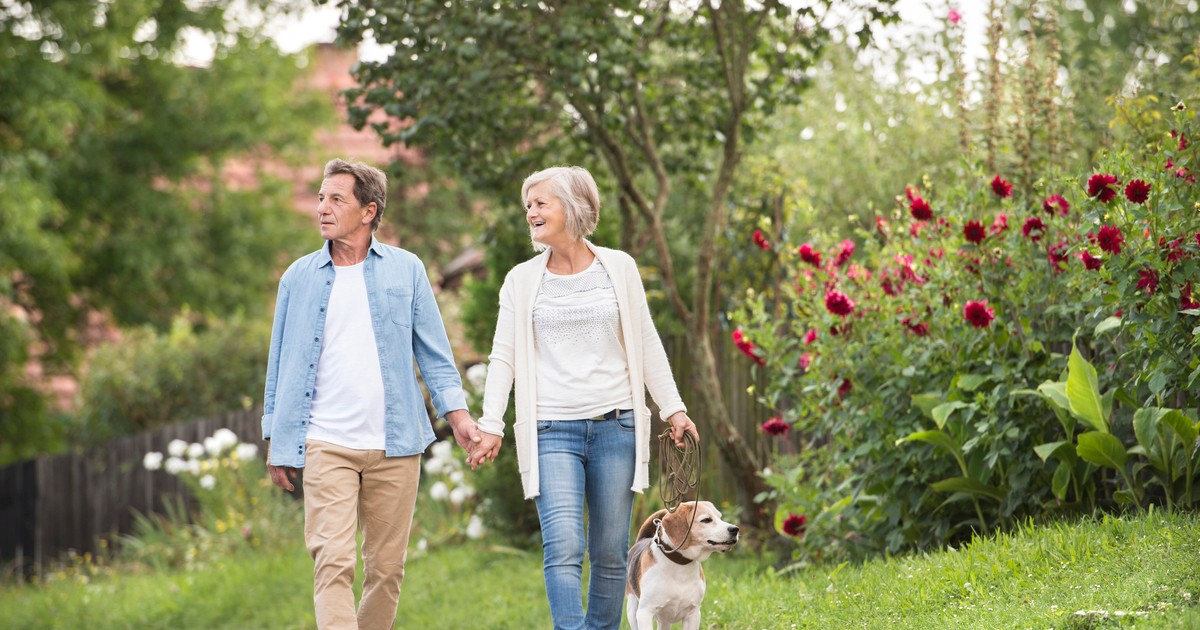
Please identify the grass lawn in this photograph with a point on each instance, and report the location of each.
(1141, 571)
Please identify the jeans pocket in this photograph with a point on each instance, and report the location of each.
(627, 421)
(544, 425)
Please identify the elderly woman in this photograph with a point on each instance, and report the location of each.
(575, 337)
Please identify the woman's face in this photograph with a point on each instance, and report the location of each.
(545, 215)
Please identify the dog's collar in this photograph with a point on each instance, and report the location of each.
(673, 556)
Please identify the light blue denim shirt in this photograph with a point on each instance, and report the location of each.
(407, 324)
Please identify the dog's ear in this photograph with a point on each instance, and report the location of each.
(677, 526)
(648, 527)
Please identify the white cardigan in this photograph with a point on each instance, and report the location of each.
(513, 360)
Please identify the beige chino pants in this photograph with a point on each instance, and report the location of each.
(345, 489)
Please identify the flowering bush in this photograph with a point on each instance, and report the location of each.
(447, 505)
(235, 505)
(911, 397)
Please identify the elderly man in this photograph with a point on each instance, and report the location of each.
(342, 399)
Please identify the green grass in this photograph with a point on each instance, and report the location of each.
(1034, 578)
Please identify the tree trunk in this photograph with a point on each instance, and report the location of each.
(735, 451)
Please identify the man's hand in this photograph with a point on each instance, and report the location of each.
(282, 476)
(485, 451)
(466, 433)
(680, 423)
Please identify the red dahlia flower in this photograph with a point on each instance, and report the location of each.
(775, 426)
(805, 361)
(795, 525)
(920, 210)
(809, 255)
(1101, 185)
(1000, 224)
(1056, 203)
(919, 329)
(1185, 298)
(746, 346)
(1110, 239)
(845, 387)
(810, 336)
(1057, 255)
(1033, 229)
(838, 304)
(953, 16)
(979, 314)
(1137, 191)
(973, 231)
(844, 252)
(1148, 280)
(1001, 187)
(1174, 249)
(760, 239)
(1089, 261)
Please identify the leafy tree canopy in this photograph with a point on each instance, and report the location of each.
(111, 158)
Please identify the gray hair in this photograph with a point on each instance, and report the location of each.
(370, 184)
(576, 189)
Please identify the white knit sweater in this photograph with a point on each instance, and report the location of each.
(513, 362)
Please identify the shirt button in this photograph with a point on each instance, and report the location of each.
(306, 394)
(316, 338)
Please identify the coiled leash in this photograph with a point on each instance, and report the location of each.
(678, 473)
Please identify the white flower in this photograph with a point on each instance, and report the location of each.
(195, 451)
(433, 466)
(207, 482)
(226, 439)
(177, 448)
(175, 465)
(422, 544)
(441, 450)
(193, 466)
(457, 496)
(245, 451)
(475, 528)
(152, 461)
(439, 492)
(212, 446)
(456, 477)
(477, 376)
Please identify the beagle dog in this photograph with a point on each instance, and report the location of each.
(665, 582)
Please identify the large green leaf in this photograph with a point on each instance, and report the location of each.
(1182, 426)
(971, 382)
(1102, 449)
(1055, 393)
(927, 401)
(1061, 480)
(1064, 451)
(970, 486)
(940, 439)
(1083, 392)
(941, 413)
(1108, 324)
(1146, 424)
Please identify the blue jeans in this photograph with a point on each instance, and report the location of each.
(592, 461)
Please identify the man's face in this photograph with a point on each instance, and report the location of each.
(339, 212)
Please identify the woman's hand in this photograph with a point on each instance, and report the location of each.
(681, 423)
(485, 450)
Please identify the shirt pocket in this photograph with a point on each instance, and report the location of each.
(400, 305)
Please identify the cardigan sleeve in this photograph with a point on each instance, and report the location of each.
(500, 363)
(655, 367)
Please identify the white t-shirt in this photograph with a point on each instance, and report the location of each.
(348, 405)
(582, 367)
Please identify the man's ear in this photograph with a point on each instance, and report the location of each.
(369, 212)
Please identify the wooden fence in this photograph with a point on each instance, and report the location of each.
(56, 503)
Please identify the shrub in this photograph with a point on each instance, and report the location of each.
(900, 356)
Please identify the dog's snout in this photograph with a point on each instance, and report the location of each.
(733, 529)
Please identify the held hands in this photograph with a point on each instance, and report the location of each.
(681, 423)
(480, 447)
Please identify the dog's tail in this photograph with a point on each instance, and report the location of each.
(648, 527)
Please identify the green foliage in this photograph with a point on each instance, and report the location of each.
(149, 379)
(868, 382)
(114, 155)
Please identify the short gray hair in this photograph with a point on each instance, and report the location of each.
(370, 184)
(575, 187)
